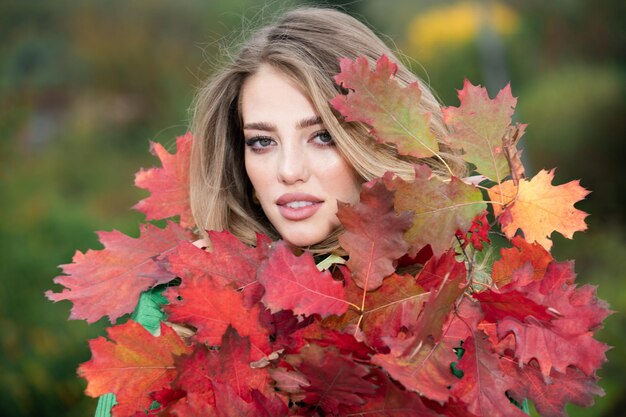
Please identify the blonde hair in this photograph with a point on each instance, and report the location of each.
(305, 44)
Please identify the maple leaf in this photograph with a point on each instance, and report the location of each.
(373, 235)
(333, 380)
(485, 380)
(132, 365)
(294, 283)
(440, 209)
(539, 208)
(230, 262)
(573, 386)
(479, 125)
(212, 308)
(379, 101)
(515, 258)
(109, 281)
(169, 185)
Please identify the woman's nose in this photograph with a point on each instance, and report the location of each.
(292, 165)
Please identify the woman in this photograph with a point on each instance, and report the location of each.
(270, 155)
(245, 147)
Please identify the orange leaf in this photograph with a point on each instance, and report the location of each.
(539, 208)
(132, 365)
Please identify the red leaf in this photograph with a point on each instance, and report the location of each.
(425, 368)
(573, 386)
(109, 281)
(440, 208)
(230, 262)
(513, 259)
(391, 400)
(212, 308)
(436, 269)
(497, 306)
(393, 111)
(568, 339)
(373, 236)
(485, 381)
(334, 380)
(480, 124)
(294, 283)
(169, 185)
(230, 365)
(132, 365)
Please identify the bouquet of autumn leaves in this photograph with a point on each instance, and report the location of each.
(274, 334)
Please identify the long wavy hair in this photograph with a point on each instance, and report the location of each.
(305, 45)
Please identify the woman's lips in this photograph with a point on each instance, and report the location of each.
(297, 206)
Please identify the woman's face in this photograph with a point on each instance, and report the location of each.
(295, 168)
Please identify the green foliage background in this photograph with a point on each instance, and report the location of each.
(84, 86)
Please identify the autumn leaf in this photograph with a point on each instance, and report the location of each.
(109, 281)
(229, 365)
(437, 268)
(480, 124)
(294, 283)
(484, 381)
(229, 262)
(391, 400)
(212, 308)
(422, 362)
(514, 259)
(572, 386)
(539, 208)
(133, 363)
(567, 340)
(333, 380)
(498, 305)
(393, 111)
(169, 185)
(373, 235)
(440, 208)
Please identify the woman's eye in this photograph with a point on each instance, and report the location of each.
(259, 142)
(324, 138)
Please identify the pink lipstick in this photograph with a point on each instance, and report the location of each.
(298, 206)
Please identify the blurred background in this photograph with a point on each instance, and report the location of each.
(85, 85)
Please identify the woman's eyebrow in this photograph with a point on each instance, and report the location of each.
(311, 121)
(268, 127)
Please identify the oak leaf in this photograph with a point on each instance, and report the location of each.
(133, 363)
(539, 208)
(440, 209)
(513, 259)
(169, 185)
(390, 109)
(229, 262)
(109, 281)
(294, 283)
(373, 235)
(212, 308)
(333, 379)
(480, 124)
(485, 381)
(572, 386)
